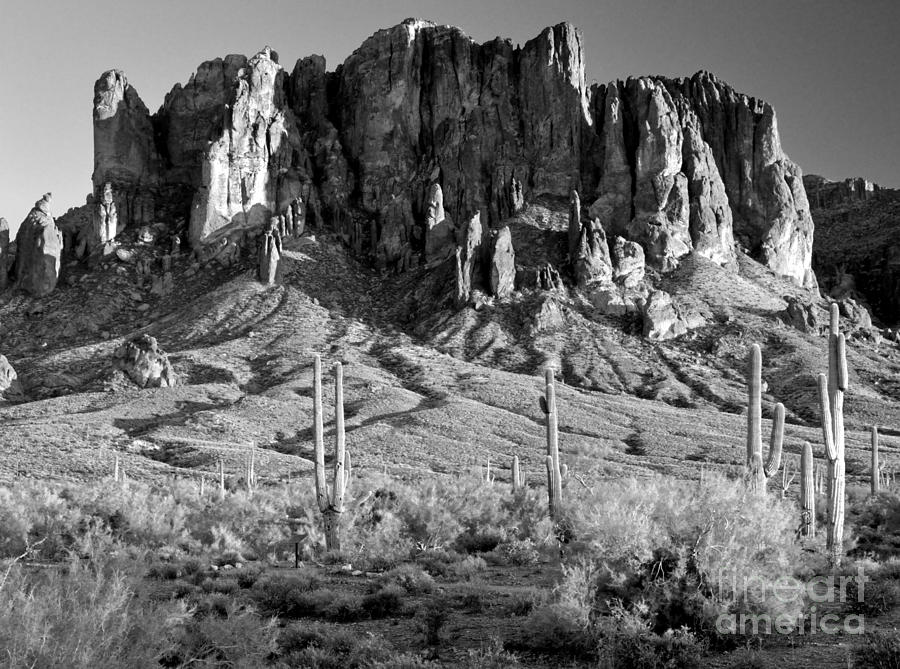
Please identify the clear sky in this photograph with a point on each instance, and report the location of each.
(830, 68)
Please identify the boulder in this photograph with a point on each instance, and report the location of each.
(39, 246)
(10, 387)
(801, 314)
(592, 263)
(145, 363)
(628, 263)
(438, 227)
(468, 259)
(502, 263)
(270, 252)
(663, 320)
(856, 315)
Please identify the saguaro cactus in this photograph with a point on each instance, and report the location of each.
(807, 493)
(331, 503)
(518, 476)
(757, 472)
(876, 470)
(554, 477)
(831, 403)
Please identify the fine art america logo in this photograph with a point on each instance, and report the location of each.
(811, 603)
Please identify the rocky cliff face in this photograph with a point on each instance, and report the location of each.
(689, 164)
(857, 253)
(38, 250)
(422, 127)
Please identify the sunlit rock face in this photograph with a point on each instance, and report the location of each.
(125, 154)
(688, 165)
(422, 128)
(39, 245)
(420, 102)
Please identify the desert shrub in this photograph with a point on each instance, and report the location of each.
(410, 577)
(493, 656)
(673, 555)
(875, 523)
(248, 576)
(642, 649)
(282, 594)
(164, 571)
(471, 597)
(437, 562)
(431, 619)
(522, 553)
(406, 661)
(873, 591)
(319, 646)
(386, 601)
(230, 638)
(879, 650)
(522, 603)
(563, 623)
(468, 567)
(747, 660)
(80, 617)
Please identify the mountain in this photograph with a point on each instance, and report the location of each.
(446, 218)
(856, 251)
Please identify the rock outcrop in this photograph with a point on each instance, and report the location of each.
(270, 252)
(10, 386)
(664, 320)
(4, 254)
(145, 363)
(106, 220)
(421, 126)
(438, 227)
(675, 155)
(801, 314)
(39, 246)
(628, 263)
(246, 173)
(856, 251)
(502, 263)
(125, 155)
(468, 259)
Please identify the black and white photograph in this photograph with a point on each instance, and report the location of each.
(417, 334)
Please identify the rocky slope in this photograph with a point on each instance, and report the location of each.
(856, 251)
(447, 218)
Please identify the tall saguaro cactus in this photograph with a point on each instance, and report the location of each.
(757, 472)
(807, 493)
(876, 467)
(331, 502)
(554, 478)
(831, 404)
(518, 478)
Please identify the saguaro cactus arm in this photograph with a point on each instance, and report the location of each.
(876, 470)
(807, 493)
(340, 481)
(319, 444)
(776, 442)
(554, 478)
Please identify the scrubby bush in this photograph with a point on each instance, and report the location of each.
(875, 523)
(874, 589)
(879, 650)
(80, 617)
(410, 577)
(674, 555)
(320, 646)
